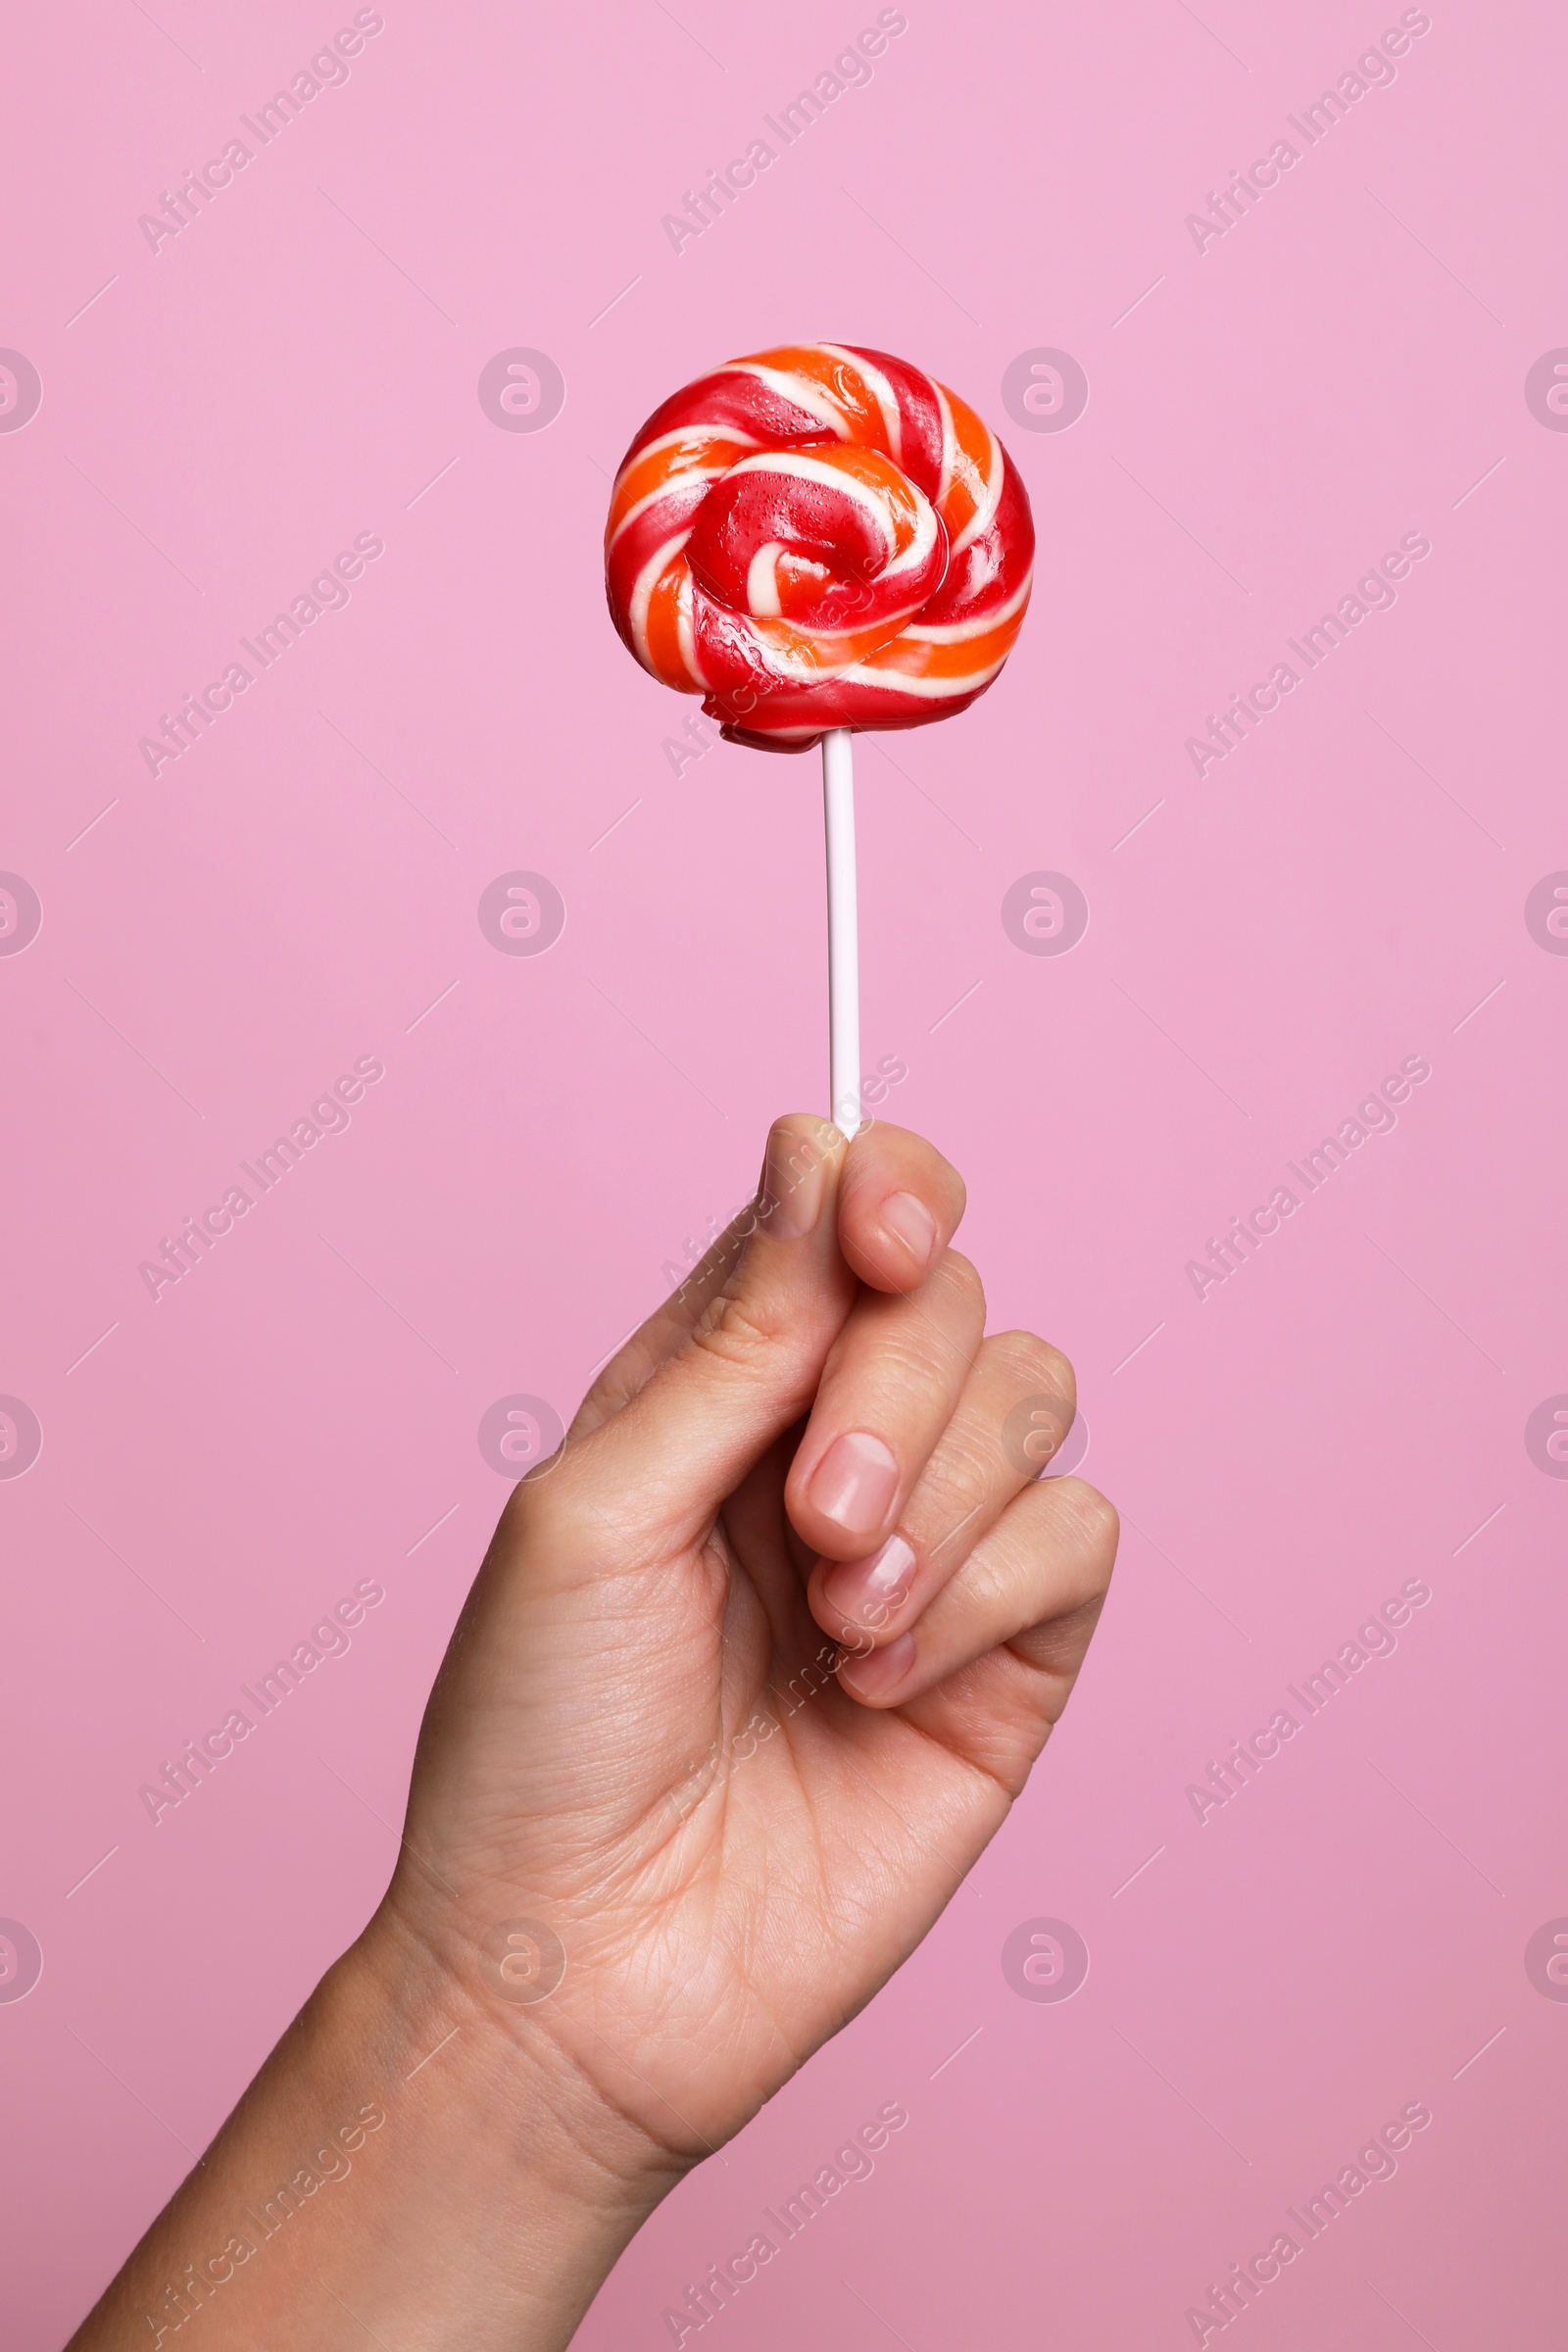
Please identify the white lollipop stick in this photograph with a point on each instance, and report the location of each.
(843, 931)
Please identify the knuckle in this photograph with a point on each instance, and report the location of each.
(1035, 1365)
(540, 1505)
(736, 1329)
(618, 1384)
(915, 1366)
(1096, 1529)
(959, 1278)
(957, 1478)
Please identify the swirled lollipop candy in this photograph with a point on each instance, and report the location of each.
(820, 539)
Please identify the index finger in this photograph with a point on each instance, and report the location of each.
(899, 1203)
(899, 1206)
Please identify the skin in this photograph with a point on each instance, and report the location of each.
(684, 1736)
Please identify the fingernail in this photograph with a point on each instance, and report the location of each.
(791, 1195)
(866, 1593)
(854, 1483)
(908, 1219)
(880, 1670)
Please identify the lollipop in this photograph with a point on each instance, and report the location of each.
(820, 539)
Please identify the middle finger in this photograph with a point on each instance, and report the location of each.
(887, 1393)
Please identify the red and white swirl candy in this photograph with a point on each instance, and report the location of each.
(816, 537)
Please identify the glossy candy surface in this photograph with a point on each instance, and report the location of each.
(819, 536)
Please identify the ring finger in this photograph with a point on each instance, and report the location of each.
(1016, 1410)
(1048, 1556)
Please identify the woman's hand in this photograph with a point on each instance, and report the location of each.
(754, 1668)
(758, 1662)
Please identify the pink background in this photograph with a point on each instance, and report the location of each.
(1266, 418)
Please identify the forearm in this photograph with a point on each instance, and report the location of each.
(657, 1851)
(407, 2164)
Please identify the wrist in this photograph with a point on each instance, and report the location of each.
(403, 2159)
(504, 2144)
(475, 2019)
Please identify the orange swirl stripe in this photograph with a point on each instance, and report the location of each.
(819, 536)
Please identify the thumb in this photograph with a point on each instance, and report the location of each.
(746, 1371)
